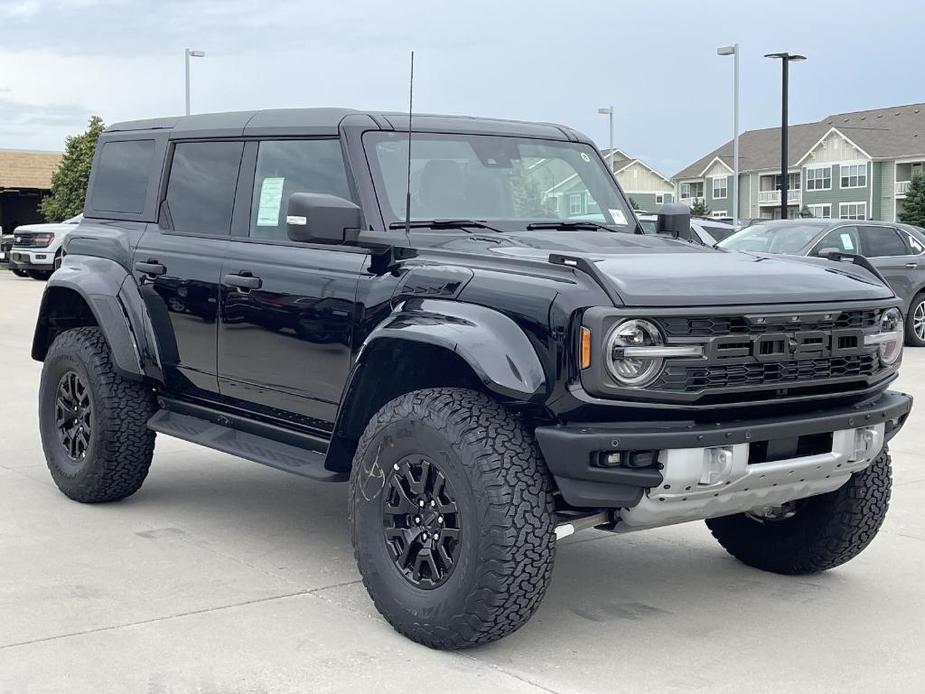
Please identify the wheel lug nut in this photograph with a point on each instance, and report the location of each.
(417, 519)
(440, 520)
(423, 536)
(432, 503)
(421, 503)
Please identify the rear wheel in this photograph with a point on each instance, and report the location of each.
(814, 534)
(915, 322)
(451, 510)
(93, 421)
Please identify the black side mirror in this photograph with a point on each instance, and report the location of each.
(830, 252)
(321, 218)
(674, 218)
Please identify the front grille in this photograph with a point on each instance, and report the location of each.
(685, 379)
(709, 326)
(30, 240)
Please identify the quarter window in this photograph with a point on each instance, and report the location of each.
(200, 190)
(877, 242)
(123, 171)
(852, 210)
(720, 189)
(285, 167)
(574, 204)
(819, 178)
(853, 175)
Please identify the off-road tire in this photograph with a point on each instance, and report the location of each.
(505, 496)
(120, 446)
(18, 272)
(40, 275)
(917, 306)
(826, 531)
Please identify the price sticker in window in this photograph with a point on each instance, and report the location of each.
(846, 242)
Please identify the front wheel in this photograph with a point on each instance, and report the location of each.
(814, 534)
(40, 275)
(19, 273)
(451, 508)
(915, 322)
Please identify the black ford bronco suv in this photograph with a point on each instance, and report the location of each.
(509, 362)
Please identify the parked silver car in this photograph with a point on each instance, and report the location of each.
(896, 250)
(707, 231)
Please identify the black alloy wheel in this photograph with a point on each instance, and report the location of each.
(73, 415)
(421, 522)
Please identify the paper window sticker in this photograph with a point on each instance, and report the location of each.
(846, 242)
(617, 216)
(271, 197)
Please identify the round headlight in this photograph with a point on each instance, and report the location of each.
(891, 330)
(633, 371)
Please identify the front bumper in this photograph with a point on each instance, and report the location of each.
(41, 260)
(668, 472)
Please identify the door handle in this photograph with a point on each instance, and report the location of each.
(243, 281)
(912, 266)
(151, 267)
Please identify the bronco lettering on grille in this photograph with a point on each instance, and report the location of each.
(786, 346)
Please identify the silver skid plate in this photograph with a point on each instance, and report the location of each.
(704, 483)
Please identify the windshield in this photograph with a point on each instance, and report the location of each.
(773, 238)
(491, 178)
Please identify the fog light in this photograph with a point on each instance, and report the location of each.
(865, 440)
(717, 464)
(613, 459)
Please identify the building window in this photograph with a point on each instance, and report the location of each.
(720, 189)
(693, 189)
(659, 198)
(852, 210)
(718, 214)
(821, 211)
(853, 175)
(819, 178)
(574, 204)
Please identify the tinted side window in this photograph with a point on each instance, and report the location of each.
(200, 190)
(877, 242)
(123, 171)
(285, 167)
(842, 239)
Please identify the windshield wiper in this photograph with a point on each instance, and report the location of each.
(444, 224)
(565, 225)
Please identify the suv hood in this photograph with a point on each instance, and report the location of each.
(44, 228)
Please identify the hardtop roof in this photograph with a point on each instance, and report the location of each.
(322, 121)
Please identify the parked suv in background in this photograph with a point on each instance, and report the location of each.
(37, 247)
(896, 250)
(488, 372)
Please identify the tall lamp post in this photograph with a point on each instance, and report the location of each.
(785, 59)
(608, 111)
(187, 55)
(733, 50)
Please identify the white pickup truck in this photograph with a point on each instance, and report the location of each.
(36, 247)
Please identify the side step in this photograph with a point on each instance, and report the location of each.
(282, 456)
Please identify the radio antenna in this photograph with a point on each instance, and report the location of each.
(410, 109)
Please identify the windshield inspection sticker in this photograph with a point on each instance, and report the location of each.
(846, 242)
(271, 196)
(617, 216)
(585, 157)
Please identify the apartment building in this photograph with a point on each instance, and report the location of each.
(847, 166)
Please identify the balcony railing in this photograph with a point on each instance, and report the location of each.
(772, 197)
(902, 187)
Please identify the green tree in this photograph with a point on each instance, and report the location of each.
(699, 208)
(69, 181)
(913, 211)
(806, 213)
(634, 204)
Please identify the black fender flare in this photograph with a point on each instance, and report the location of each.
(491, 343)
(112, 296)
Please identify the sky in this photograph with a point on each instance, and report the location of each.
(655, 62)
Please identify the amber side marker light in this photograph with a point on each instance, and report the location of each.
(585, 348)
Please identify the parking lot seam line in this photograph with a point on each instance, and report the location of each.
(154, 620)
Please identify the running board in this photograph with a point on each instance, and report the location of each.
(260, 449)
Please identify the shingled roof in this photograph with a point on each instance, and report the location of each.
(885, 133)
(25, 169)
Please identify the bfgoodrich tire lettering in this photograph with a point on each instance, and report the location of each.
(503, 495)
(825, 532)
(116, 458)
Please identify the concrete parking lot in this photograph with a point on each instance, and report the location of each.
(224, 576)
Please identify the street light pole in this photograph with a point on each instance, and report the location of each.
(187, 54)
(608, 111)
(785, 59)
(733, 50)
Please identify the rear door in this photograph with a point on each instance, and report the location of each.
(889, 252)
(178, 261)
(287, 308)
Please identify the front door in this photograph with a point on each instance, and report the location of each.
(886, 248)
(178, 261)
(288, 309)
